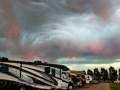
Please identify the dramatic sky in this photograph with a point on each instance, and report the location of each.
(81, 34)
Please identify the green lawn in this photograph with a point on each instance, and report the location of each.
(114, 86)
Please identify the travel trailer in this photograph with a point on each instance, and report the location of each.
(91, 79)
(88, 78)
(21, 75)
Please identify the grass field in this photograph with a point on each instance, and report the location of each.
(113, 86)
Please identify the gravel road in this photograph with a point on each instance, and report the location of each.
(101, 86)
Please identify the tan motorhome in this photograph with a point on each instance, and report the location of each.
(78, 77)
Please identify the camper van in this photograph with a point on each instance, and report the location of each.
(21, 75)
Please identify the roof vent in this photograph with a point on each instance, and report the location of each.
(45, 62)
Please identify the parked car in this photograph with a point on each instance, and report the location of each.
(117, 81)
(94, 81)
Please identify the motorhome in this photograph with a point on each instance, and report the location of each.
(78, 77)
(21, 75)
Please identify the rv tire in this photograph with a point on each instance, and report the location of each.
(80, 85)
(70, 87)
(22, 88)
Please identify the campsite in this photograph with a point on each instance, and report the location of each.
(25, 75)
(59, 44)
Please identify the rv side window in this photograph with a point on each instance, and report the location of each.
(47, 70)
(4, 69)
(53, 72)
(57, 73)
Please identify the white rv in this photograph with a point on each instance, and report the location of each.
(88, 78)
(91, 79)
(20, 75)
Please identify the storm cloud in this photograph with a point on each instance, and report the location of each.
(60, 31)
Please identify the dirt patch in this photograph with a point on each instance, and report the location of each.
(101, 86)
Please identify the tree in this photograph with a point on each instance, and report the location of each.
(104, 74)
(119, 72)
(84, 72)
(97, 73)
(89, 72)
(112, 73)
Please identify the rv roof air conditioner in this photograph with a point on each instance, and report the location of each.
(2, 59)
(37, 62)
(45, 62)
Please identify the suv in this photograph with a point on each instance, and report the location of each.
(94, 81)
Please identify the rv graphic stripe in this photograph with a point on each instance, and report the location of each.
(33, 67)
(36, 74)
(37, 78)
(44, 75)
(27, 70)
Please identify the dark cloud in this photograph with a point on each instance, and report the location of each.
(55, 29)
(35, 15)
(9, 25)
(99, 7)
(87, 60)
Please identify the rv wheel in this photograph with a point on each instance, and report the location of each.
(80, 85)
(70, 87)
(22, 88)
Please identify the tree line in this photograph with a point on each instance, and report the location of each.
(104, 74)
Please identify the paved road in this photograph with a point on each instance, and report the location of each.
(101, 86)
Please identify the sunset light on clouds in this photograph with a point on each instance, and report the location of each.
(70, 32)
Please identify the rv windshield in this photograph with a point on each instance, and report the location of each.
(65, 75)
